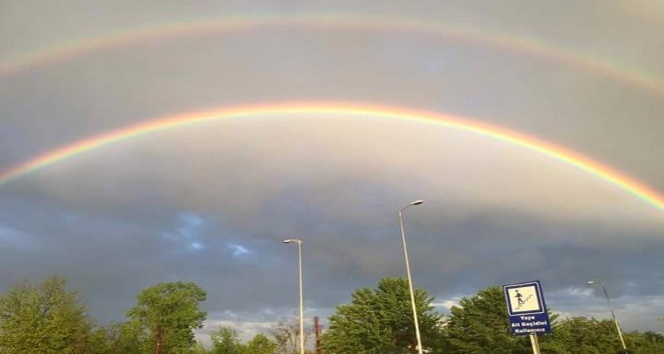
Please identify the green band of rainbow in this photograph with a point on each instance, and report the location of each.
(559, 153)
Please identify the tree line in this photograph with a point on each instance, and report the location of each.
(48, 318)
(379, 321)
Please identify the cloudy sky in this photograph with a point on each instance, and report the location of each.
(211, 202)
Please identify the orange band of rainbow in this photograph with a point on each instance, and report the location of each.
(559, 153)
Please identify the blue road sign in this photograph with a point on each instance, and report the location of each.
(526, 308)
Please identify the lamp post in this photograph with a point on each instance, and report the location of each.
(410, 280)
(613, 315)
(299, 270)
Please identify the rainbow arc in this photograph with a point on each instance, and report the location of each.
(529, 46)
(559, 153)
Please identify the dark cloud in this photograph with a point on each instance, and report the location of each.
(211, 203)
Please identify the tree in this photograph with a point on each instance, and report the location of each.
(260, 344)
(123, 338)
(645, 343)
(45, 318)
(581, 335)
(98, 341)
(169, 314)
(225, 341)
(380, 321)
(199, 349)
(285, 335)
(480, 325)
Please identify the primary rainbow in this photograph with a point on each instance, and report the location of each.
(559, 153)
(531, 46)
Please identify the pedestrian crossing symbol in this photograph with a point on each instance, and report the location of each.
(526, 308)
(524, 298)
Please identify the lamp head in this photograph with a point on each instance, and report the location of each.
(291, 240)
(590, 282)
(417, 202)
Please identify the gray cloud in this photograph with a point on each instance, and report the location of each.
(210, 203)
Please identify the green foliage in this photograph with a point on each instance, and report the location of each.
(47, 318)
(260, 344)
(125, 338)
(169, 314)
(380, 321)
(580, 335)
(199, 349)
(645, 343)
(225, 341)
(98, 341)
(479, 325)
(42, 319)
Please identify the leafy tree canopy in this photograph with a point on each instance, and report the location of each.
(380, 321)
(169, 313)
(42, 318)
(260, 344)
(225, 341)
(480, 325)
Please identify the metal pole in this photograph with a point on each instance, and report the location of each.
(299, 273)
(299, 266)
(534, 343)
(410, 281)
(615, 320)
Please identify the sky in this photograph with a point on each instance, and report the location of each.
(211, 201)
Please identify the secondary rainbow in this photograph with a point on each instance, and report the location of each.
(556, 152)
(644, 81)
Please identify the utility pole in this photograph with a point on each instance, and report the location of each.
(317, 332)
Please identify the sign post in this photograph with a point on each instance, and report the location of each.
(527, 311)
(534, 343)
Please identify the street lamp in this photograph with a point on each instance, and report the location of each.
(299, 270)
(615, 320)
(410, 280)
